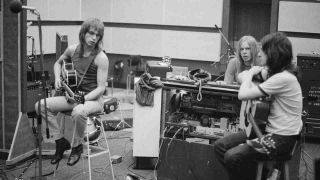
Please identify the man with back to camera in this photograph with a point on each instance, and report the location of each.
(91, 65)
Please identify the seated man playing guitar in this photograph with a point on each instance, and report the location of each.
(91, 70)
(284, 120)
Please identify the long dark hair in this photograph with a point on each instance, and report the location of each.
(85, 27)
(278, 50)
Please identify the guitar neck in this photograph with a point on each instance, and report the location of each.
(255, 127)
(66, 87)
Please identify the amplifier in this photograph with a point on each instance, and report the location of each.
(33, 95)
(312, 125)
(309, 65)
(157, 68)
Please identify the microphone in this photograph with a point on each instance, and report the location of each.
(16, 7)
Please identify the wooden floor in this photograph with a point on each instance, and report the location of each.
(120, 143)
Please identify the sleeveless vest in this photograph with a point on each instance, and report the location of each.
(89, 81)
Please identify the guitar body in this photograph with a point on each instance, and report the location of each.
(256, 114)
(69, 81)
(258, 110)
(69, 74)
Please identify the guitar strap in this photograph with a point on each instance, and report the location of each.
(85, 72)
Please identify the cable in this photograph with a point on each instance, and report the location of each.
(155, 167)
(168, 147)
(199, 95)
(218, 77)
(128, 168)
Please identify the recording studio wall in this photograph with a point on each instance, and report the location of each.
(153, 28)
(304, 30)
(146, 27)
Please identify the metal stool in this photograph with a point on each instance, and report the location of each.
(284, 162)
(95, 118)
(92, 141)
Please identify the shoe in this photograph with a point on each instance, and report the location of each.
(75, 155)
(61, 145)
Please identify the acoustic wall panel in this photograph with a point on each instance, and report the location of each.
(64, 10)
(98, 8)
(176, 44)
(305, 46)
(56, 10)
(299, 17)
(137, 11)
(42, 6)
(158, 41)
(49, 37)
(191, 45)
(146, 42)
(204, 13)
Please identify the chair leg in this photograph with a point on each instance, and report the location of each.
(259, 170)
(88, 149)
(286, 171)
(105, 138)
(128, 83)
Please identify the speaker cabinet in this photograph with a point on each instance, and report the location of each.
(180, 159)
(309, 65)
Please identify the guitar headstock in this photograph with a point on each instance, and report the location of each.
(268, 143)
(79, 97)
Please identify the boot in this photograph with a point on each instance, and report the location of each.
(75, 155)
(61, 145)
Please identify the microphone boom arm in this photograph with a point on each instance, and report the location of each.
(231, 50)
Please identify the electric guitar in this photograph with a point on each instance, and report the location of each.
(256, 115)
(69, 80)
(79, 97)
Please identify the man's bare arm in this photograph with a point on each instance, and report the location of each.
(102, 63)
(57, 65)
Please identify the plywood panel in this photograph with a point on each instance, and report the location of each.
(98, 8)
(192, 45)
(137, 11)
(299, 17)
(204, 13)
(136, 41)
(304, 45)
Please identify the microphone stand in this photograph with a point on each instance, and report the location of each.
(43, 87)
(230, 50)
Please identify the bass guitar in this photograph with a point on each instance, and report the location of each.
(255, 116)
